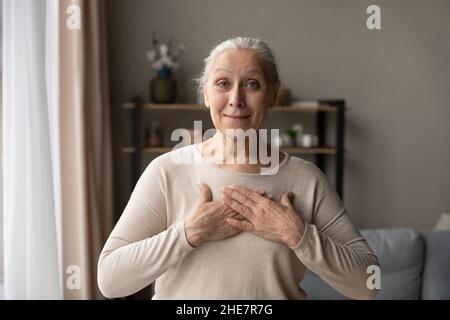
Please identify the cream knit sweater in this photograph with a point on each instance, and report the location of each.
(149, 242)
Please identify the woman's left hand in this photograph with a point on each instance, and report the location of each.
(264, 217)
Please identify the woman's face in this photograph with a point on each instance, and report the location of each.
(237, 91)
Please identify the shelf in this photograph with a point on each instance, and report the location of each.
(200, 107)
(328, 109)
(158, 150)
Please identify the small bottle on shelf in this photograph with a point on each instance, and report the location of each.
(155, 135)
(298, 128)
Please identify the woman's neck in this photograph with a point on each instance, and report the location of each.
(244, 156)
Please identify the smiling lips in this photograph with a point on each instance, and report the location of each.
(236, 117)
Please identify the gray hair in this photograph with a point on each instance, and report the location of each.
(260, 47)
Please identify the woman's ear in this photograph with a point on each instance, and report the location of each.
(276, 91)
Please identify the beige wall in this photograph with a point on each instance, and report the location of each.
(396, 82)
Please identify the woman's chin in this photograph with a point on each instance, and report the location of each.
(235, 123)
(244, 127)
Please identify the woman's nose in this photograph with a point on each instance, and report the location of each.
(236, 97)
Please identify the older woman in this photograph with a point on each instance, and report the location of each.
(223, 230)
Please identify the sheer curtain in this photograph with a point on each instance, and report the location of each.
(57, 185)
(30, 92)
(2, 294)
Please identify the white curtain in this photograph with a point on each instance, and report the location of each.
(31, 207)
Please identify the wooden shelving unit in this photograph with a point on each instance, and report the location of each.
(336, 108)
(200, 107)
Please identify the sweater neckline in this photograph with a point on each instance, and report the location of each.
(208, 163)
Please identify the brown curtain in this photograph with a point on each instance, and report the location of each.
(86, 158)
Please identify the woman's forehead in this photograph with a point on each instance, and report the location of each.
(254, 71)
(245, 60)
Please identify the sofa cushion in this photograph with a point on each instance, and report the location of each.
(436, 275)
(401, 254)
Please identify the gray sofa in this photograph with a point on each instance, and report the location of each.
(413, 266)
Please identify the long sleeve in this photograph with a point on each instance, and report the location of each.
(332, 248)
(141, 247)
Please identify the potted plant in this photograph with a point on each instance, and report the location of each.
(164, 59)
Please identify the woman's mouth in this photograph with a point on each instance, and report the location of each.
(236, 117)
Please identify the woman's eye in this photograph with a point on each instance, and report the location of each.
(252, 84)
(221, 84)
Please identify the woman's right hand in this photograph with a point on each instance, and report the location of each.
(208, 221)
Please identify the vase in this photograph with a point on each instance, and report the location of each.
(163, 88)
